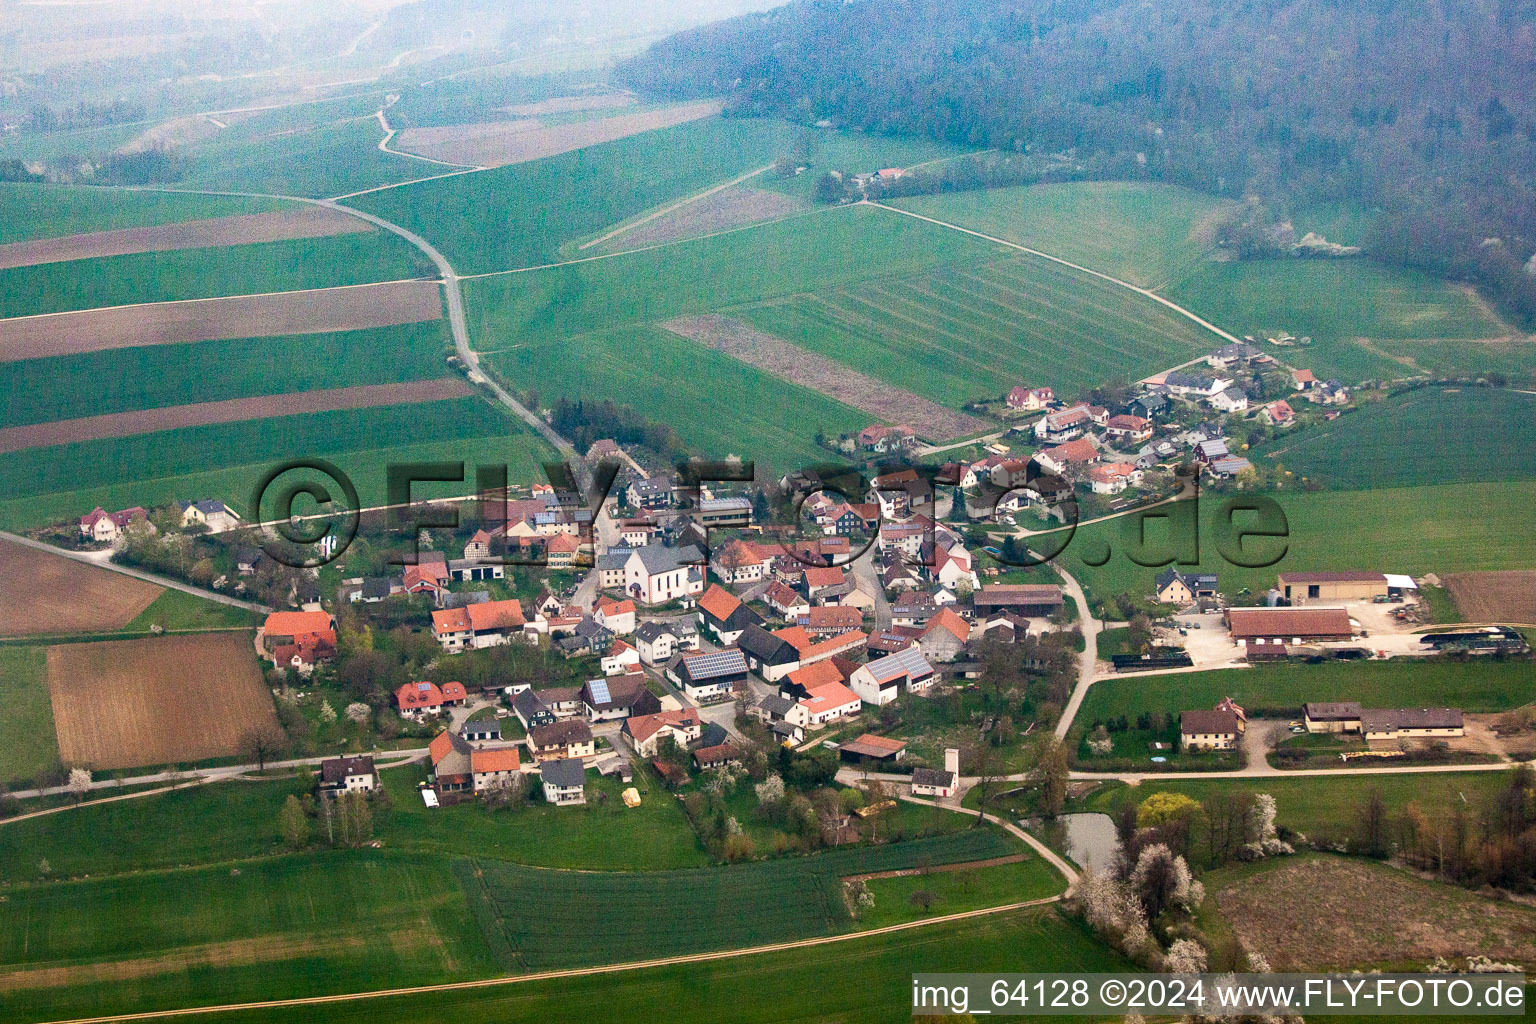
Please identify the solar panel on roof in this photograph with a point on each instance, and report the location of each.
(718, 663)
(600, 691)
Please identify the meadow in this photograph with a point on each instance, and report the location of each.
(316, 162)
(28, 744)
(155, 469)
(521, 214)
(204, 273)
(1479, 686)
(1429, 436)
(29, 211)
(152, 376)
(1449, 528)
(718, 406)
(538, 919)
(301, 925)
(953, 892)
(177, 609)
(1147, 234)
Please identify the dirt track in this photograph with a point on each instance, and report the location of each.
(47, 594)
(176, 417)
(511, 142)
(789, 362)
(305, 222)
(242, 316)
(162, 700)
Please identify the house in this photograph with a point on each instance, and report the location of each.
(718, 756)
(564, 781)
(451, 772)
(723, 616)
(1174, 587)
(768, 654)
(1328, 393)
(1065, 424)
(615, 616)
(561, 550)
(604, 448)
(1148, 406)
(913, 608)
(785, 601)
(1300, 588)
(1235, 354)
(1228, 466)
(210, 512)
(1113, 477)
(940, 783)
(645, 732)
(709, 676)
(481, 730)
(1278, 414)
(416, 699)
(298, 629)
(532, 709)
(348, 775)
(884, 679)
(722, 513)
(776, 707)
(883, 439)
(653, 492)
(827, 620)
(1030, 600)
(659, 641)
(741, 561)
(1180, 383)
(478, 626)
(868, 748)
(952, 565)
(608, 700)
(637, 533)
(657, 573)
(828, 701)
(907, 538)
(1009, 473)
(105, 527)
(1128, 429)
(1229, 400)
(896, 493)
(944, 637)
(1207, 730)
(1024, 399)
(1303, 380)
(1331, 716)
(494, 767)
(1279, 626)
(555, 740)
(812, 651)
(621, 659)
(1060, 458)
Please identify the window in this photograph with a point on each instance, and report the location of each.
(1313, 590)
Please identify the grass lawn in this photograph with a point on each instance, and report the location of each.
(288, 926)
(46, 484)
(601, 836)
(718, 406)
(1397, 682)
(1365, 319)
(957, 891)
(152, 376)
(748, 990)
(30, 211)
(1429, 436)
(28, 743)
(287, 265)
(177, 609)
(1451, 528)
(1324, 807)
(1143, 233)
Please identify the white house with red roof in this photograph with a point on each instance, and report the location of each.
(477, 626)
(1278, 414)
(1025, 399)
(621, 659)
(829, 701)
(423, 698)
(617, 616)
(1068, 455)
(645, 732)
(1113, 477)
(1128, 429)
(105, 527)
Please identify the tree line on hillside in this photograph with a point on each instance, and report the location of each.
(1421, 116)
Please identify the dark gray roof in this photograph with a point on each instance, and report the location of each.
(776, 705)
(529, 704)
(567, 772)
(334, 771)
(373, 586)
(467, 597)
(481, 727)
(659, 558)
(614, 558)
(932, 777)
(765, 647)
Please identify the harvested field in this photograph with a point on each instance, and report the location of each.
(241, 316)
(571, 104)
(305, 222)
(788, 362)
(237, 410)
(728, 208)
(511, 142)
(162, 700)
(1508, 596)
(42, 593)
(1323, 913)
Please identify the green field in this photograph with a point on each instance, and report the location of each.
(28, 745)
(1143, 233)
(1453, 528)
(1397, 682)
(205, 273)
(177, 609)
(520, 215)
(152, 376)
(30, 211)
(957, 891)
(717, 405)
(1410, 322)
(318, 162)
(1429, 436)
(41, 484)
(537, 919)
(292, 926)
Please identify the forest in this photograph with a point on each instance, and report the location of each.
(1418, 117)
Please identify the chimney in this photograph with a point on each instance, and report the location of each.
(952, 761)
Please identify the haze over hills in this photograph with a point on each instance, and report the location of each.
(1419, 118)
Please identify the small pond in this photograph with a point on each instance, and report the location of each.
(1089, 839)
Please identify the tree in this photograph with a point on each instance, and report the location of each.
(79, 783)
(355, 819)
(261, 745)
(1373, 825)
(292, 824)
(924, 900)
(1050, 771)
(1165, 808)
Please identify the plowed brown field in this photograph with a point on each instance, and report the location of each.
(42, 593)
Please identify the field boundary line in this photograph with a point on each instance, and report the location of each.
(390, 133)
(572, 972)
(1149, 293)
(676, 205)
(224, 298)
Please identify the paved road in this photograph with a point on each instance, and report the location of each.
(864, 572)
(1046, 853)
(94, 558)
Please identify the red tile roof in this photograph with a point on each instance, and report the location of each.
(501, 759)
(416, 696)
(719, 602)
(947, 619)
(297, 623)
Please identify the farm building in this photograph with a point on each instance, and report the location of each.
(1301, 588)
(884, 679)
(941, 783)
(711, 675)
(1280, 626)
(769, 655)
(1208, 730)
(659, 641)
(869, 747)
(1382, 723)
(723, 616)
